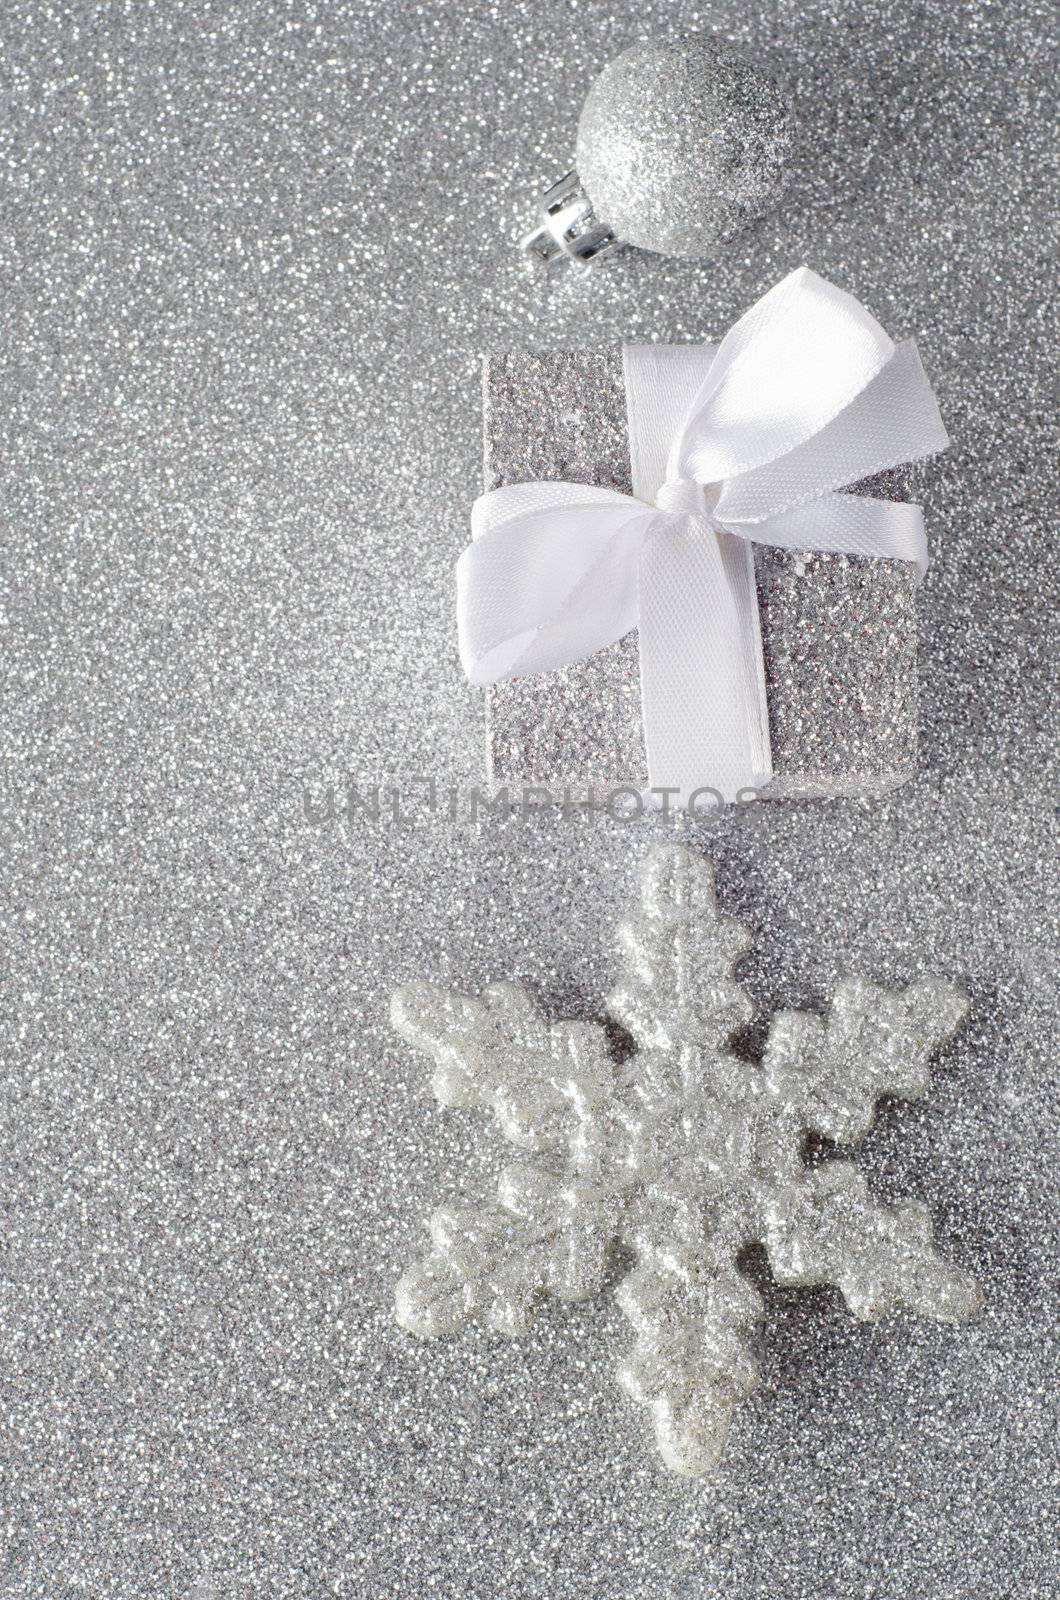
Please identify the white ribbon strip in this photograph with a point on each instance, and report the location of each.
(698, 606)
(746, 443)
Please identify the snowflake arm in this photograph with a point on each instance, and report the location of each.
(873, 1042)
(828, 1229)
(498, 1051)
(678, 955)
(495, 1263)
(694, 1358)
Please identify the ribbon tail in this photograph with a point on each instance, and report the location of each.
(706, 726)
(853, 524)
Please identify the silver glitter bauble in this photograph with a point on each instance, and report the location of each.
(680, 144)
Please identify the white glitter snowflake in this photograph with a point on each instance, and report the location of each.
(680, 1156)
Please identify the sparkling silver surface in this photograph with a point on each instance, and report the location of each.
(679, 1158)
(838, 632)
(681, 143)
(561, 414)
(839, 636)
(240, 430)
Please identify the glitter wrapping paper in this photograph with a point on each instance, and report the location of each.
(251, 255)
(838, 632)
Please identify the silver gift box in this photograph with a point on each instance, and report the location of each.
(838, 632)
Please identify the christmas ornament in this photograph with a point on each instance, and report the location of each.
(731, 446)
(680, 144)
(683, 1155)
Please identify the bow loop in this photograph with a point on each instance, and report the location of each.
(791, 364)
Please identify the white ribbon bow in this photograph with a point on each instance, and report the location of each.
(745, 442)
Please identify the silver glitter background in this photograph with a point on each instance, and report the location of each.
(251, 255)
